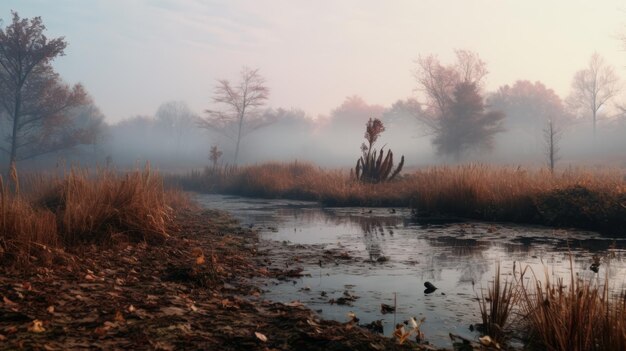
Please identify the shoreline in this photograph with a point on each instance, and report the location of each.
(573, 199)
(193, 291)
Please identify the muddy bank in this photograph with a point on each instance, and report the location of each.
(195, 291)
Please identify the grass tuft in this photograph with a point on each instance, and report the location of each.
(496, 308)
(581, 315)
(80, 208)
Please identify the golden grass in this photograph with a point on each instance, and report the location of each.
(64, 211)
(578, 315)
(582, 315)
(496, 308)
(572, 198)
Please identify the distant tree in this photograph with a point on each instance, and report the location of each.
(438, 82)
(593, 87)
(466, 125)
(353, 112)
(402, 109)
(214, 155)
(552, 136)
(177, 118)
(33, 98)
(240, 107)
(455, 112)
(528, 106)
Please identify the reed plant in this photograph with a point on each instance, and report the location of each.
(497, 307)
(579, 198)
(582, 315)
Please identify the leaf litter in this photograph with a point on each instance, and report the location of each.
(195, 291)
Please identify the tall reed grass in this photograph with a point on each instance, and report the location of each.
(79, 207)
(577, 198)
(582, 315)
(552, 314)
(497, 307)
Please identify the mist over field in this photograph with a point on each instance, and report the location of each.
(256, 175)
(163, 101)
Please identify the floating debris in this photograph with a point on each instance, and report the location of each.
(430, 288)
(384, 308)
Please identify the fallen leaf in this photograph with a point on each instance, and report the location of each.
(163, 346)
(50, 309)
(172, 311)
(294, 304)
(8, 302)
(36, 327)
(261, 336)
(488, 341)
(200, 260)
(119, 317)
(90, 277)
(101, 331)
(2, 337)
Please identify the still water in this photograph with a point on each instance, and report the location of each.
(391, 256)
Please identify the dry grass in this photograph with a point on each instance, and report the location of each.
(65, 211)
(497, 307)
(580, 316)
(575, 198)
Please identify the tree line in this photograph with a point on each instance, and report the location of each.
(41, 114)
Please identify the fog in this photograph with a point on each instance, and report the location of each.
(176, 143)
(483, 90)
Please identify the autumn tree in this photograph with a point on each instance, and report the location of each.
(593, 87)
(438, 82)
(238, 107)
(404, 110)
(34, 101)
(466, 125)
(528, 106)
(455, 112)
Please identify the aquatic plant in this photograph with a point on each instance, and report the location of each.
(497, 306)
(372, 167)
(580, 315)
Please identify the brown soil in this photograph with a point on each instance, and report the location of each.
(193, 292)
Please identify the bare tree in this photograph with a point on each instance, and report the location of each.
(240, 107)
(437, 82)
(177, 118)
(552, 136)
(593, 87)
(214, 156)
(455, 112)
(32, 96)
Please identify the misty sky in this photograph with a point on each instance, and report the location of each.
(133, 55)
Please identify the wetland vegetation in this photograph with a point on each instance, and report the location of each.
(258, 227)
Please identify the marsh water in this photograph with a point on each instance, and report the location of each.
(386, 256)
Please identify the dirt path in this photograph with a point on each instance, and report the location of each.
(192, 292)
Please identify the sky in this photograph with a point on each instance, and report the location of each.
(133, 55)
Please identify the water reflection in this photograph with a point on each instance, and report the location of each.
(393, 256)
